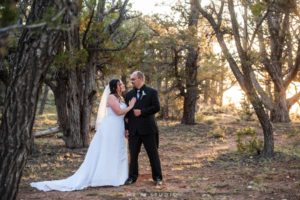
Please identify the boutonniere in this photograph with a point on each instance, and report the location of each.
(143, 94)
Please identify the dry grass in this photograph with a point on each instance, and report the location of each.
(196, 163)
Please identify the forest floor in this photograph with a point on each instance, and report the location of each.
(198, 162)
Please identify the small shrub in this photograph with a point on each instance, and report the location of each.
(199, 117)
(293, 132)
(247, 111)
(218, 133)
(247, 141)
(209, 121)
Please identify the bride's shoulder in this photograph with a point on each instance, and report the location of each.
(112, 100)
(112, 97)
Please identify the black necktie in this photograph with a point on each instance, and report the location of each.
(138, 94)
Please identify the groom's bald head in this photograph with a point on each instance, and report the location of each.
(137, 79)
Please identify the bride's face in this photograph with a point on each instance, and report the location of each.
(121, 87)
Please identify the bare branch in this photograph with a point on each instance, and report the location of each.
(258, 25)
(266, 100)
(236, 33)
(87, 29)
(3, 31)
(111, 28)
(219, 15)
(220, 37)
(122, 46)
(294, 99)
(293, 73)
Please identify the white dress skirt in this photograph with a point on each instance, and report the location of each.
(106, 161)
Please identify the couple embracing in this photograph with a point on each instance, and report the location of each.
(106, 161)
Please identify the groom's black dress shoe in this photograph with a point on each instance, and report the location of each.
(158, 182)
(130, 181)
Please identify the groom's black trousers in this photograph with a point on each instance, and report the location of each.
(150, 143)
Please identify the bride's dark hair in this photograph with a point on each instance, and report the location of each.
(113, 85)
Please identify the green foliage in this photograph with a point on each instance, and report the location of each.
(247, 111)
(51, 18)
(257, 8)
(126, 60)
(209, 121)
(247, 141)
(8, 13)
(69, 60)
(293, 132)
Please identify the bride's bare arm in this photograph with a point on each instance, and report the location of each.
(113, 102)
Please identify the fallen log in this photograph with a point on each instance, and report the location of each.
(48, 131)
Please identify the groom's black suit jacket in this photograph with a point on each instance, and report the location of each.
(149, 105)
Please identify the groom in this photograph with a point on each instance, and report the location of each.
(141, 127)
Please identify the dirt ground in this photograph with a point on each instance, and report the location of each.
(196, 164)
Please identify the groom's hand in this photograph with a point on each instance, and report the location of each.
(137, 112)
(126, 134)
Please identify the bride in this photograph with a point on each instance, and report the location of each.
(106, 161)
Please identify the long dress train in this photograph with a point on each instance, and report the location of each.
(106, 161)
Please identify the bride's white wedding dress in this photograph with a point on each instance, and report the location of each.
(106, 161)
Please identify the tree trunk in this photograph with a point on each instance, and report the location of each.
(88, 98)
(205, 91)
(280, 111)
(35, 53)
(192, 91)
(74, 92)
(213, 92)
(221, 90)
(243, 77)
(164, 112)
(2, 95)
(68, 102)
(189, 106)
(74, 95)
(278, 25)
(44, 100)
(268, 149)
(191, 69)
(248, 86)
(165, 107)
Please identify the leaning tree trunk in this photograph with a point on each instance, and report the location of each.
(265, 122)
(243, 77)
(35, 53)
(268, 149)
(246, 82)
(191, 69)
